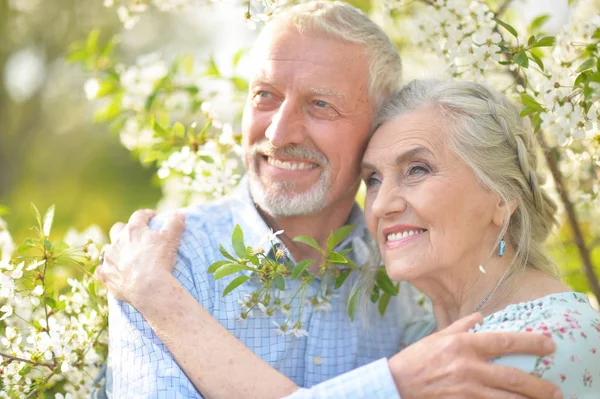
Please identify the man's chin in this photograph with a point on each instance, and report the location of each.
(288, 201)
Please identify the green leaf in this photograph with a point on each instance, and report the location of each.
(345, 251)
(237, 241)
(236, 282)
(26, 245)
(521, 59)
(50, 302)
(308, 241)
(338, 236)
(187, 63)
(178, 129)
(538, 22)
(239, 83)
(301, 267)
(375, 294)
(384, 301)
(506, 26)
(212, 69)
(4, 210)
(334, 257)
(225, 253)
(279, 282)
(213, 267)
(587, 64)
(25, 370)
(91, 44)
(47, 245)
(529, 101)
(537, 60)
(159, 129)
(531, 41)
(547, 41)
(352, 302)
(48, 218)
(228, 269)
(37, 215)
(528, 111)
(385, 283)
(207, 158)
(339, 281)
(238, 56)
(594, 77)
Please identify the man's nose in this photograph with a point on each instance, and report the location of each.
(389, 200)
(287, 125)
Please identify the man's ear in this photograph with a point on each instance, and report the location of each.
(503, 210)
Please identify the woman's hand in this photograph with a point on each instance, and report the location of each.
(138, 258)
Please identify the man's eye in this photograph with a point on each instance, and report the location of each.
(321, 104)
(371, 181)
(263, 94)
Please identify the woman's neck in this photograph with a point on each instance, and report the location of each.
(454, 295)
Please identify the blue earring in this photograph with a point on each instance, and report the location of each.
(502, 247)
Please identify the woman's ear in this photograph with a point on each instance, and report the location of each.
(503, 210)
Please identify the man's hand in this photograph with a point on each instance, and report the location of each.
(138, 258)
(453, 363)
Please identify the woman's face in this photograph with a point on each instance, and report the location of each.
(423, 204)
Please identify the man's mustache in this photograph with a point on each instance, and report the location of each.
(291, 152)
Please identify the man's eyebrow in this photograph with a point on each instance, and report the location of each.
(413, 152)
(262, 78)
(326, 92)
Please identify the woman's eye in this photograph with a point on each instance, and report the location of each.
(417, 170)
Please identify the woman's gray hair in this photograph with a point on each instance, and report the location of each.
(348, 24)
(487, 132)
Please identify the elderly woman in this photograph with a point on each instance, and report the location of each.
(454, 202)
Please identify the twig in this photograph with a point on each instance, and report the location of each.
(18, 359)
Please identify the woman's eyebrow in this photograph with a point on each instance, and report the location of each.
(413, 152)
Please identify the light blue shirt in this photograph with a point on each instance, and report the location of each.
(141, 366)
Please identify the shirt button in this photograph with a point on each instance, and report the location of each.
(317, 360)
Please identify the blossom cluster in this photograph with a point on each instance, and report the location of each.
(49, 338)
(130, 11)
(462, 33)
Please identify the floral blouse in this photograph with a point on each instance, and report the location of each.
(574, 325)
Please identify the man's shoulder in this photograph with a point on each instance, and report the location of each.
(202, 217)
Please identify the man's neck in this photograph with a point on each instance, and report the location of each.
(317, 226)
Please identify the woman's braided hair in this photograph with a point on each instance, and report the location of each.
(488, 134)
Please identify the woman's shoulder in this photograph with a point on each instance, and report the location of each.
(574, 325)
(568, 308)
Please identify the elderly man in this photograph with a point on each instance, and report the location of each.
(323, 71)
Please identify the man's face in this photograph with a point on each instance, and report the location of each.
(306, 123)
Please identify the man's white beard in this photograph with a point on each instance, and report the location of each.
(280, 199)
